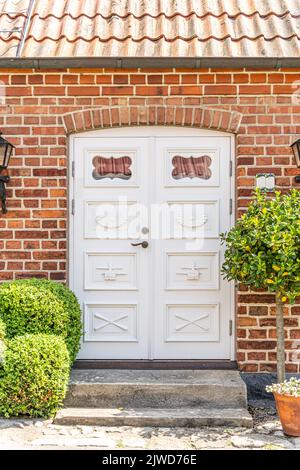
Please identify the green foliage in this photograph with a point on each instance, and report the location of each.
(263, 249)
(25, 308)
(40, 321)
(35, 376)
(2, 330)
(71, 305)
(2, 344)
(41, 306)
(74, 329)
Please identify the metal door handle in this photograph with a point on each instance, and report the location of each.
(143, 244)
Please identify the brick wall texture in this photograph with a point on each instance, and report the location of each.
(41, 108)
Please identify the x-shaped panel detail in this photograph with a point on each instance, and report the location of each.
(108, 322)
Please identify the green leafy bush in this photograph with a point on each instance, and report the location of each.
(41, 306)
(2, 344)
(74, 312)
(2, 330)
(35, 376)
(263, 249)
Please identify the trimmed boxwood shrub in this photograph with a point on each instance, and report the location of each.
(2, 330)
(35, 375)
(74, 329)
(41, 306)
(2, 344)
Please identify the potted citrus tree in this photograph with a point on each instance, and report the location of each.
(263, 251)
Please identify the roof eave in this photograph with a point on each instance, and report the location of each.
(149, 62)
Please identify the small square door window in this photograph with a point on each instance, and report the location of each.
(112, 168)
(191, 167)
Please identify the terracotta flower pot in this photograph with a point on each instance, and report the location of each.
(288, 409)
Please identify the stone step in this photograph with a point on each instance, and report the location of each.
(156, 389)
(164, 417)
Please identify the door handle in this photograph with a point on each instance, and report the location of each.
(143, 244)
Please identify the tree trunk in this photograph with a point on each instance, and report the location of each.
(280, 341)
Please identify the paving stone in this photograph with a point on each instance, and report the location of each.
(206, 444)
(101, 435)
(49, 432)
(39, 424)
(84, 429)
(135, 443)
(256, 442)
(73, 442)
(76, 432)
(14, 423)
(245, 441)
(270, 426)
(263, 431)
(167, 443)
(147, 433)
(296, 442)
(63, 432)
(20, 425)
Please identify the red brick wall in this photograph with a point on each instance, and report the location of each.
(33, 236)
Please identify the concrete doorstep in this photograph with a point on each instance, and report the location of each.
(163, 417)
(172, 398)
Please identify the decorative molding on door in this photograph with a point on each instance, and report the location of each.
(192, 270)
(110, 271)
(192, 323)
(110, 322)
(185, 116)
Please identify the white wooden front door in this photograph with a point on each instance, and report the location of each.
(171, 189)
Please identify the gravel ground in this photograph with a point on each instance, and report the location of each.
(43, 434)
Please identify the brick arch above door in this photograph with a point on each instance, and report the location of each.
(182, 116)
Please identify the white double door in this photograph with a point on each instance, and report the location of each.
(164, 299)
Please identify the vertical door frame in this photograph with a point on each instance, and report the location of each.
(149, 131)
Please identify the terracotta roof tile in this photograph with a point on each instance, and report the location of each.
(13, 14)
(164, 28)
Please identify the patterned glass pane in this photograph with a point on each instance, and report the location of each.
(191, 167)
(113, 167)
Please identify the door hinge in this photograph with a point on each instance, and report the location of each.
(73, 169)
(73, 206)
(230, 168)
(230, 206)
(230, 327)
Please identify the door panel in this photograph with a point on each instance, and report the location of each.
(192, 302)
(111, 277)
(192, 270)
(166, 301)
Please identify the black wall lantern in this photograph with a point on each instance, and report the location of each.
(296, 149)
(5, 153)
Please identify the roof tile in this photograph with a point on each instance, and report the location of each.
(162, 28)
(13, 14)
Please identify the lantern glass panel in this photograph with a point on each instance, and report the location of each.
(296, 149)
(5, 152)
